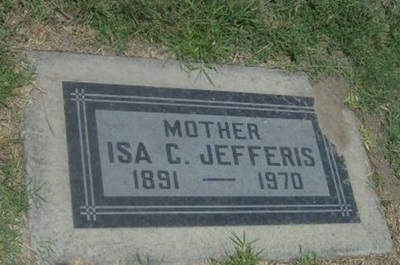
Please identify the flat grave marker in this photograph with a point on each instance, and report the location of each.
(136, 156)
(146, 156)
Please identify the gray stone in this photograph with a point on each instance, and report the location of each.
(46, 154)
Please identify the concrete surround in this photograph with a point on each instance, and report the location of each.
(47, 166)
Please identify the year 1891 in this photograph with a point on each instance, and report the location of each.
(160, 179)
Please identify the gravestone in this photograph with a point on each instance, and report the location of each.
(134, 155)
(145, 156)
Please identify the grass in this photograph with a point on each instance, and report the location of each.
(14, 193)
(358, 40)
(11, 74)
(309, 258)
(244, 253)
(14, 203)
(13, 190)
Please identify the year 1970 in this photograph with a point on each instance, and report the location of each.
(280, 180)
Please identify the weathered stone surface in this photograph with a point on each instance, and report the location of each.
(135, 155)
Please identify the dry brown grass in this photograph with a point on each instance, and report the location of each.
(11, 123)
(70, 36)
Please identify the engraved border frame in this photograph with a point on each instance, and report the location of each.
(92, 209)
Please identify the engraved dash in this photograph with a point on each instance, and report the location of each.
(219, 179)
